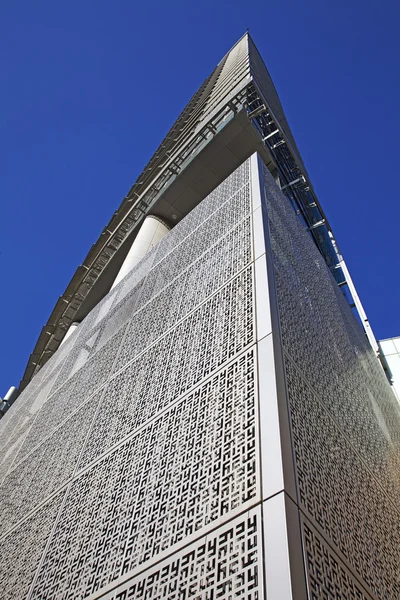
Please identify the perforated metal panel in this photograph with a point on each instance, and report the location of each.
(22, 548)
(341, 494)
(156, 489)
(16, 423)
(225, 564)
(92, 374)
(135, 456)
(148, 424)
(345, 423)
(328, 577)
(46, 468)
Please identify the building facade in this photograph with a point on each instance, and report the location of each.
(218, 425)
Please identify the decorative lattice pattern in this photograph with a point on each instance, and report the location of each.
(206, 209)
(73, 394)
(218, 330)
(193, 246)
(16, 423)
(130, 399)
(345, 419)
(168, 297)
(226, 564)
(145, 422)
(21, 551)
(328, 577)
(189, 467)
(45, 469)
(323, 337)
(338, 491)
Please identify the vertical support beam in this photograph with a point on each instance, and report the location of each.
(11, 395)
(284, 565)
(151, 232)
(276, 448)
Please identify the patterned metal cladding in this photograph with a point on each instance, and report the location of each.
(155, 489)
(46, 468)
(140, 436)
(345, 424)
(22, 548)
(131, 465)
(328, 577)
(224, 564)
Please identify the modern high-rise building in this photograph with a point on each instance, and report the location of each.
(205, 414)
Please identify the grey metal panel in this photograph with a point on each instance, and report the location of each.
(328, 575)
(22, 548)
(46, 469)
(74, 392)
(169, 417)
(345, 423)
(222, 564)
(148, 419)
(186, 471)
(340, 494)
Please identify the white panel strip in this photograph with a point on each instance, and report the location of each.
(258, 233)
(277, 565)
(263, 309)
(255, 181)
(150, 233)
(271, 455)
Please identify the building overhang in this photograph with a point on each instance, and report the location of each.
(233, 143)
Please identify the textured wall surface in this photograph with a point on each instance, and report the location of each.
(145, 459)
(140, 436)
(345, 424)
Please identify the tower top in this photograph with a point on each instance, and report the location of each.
(236, 112)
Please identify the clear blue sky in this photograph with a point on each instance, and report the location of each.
(90, 88)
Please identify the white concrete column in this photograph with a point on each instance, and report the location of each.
(150, 233)
(8, 399)
(70, 330)
(11, 395)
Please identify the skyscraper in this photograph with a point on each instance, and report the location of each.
(216, 422)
